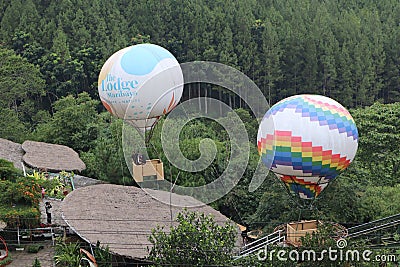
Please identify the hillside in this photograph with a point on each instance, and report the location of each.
(52, 52)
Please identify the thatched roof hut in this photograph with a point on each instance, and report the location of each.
(82, 181)
(51, 157)
(12, 152)
(122, 216)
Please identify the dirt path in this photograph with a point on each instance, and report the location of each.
(25, 259)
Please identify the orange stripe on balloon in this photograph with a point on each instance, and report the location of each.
(171, 105)
(107, 106)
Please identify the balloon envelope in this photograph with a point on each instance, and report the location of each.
(307, 140)
(140, 83)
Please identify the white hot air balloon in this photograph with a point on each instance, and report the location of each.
(141, 83)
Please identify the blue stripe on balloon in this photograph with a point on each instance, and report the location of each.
(142, 59)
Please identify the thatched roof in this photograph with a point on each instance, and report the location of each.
(12, 152)
(82, 181)
(122, 216)
(51, 157)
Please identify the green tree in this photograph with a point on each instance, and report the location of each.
(344, 79)
(340, 201)
(379, 142)
(11, 126)
(81, 34)
(379, 201)
(60, 43)
(8, 171)
(272, 54)
(21, 84)
(30, 18)
(390, 91)
(47, 35)
(10, 20)
(88, 62)
(197, 240)
(328, 47)
(105, 160)
(74, 123)
(274, 207)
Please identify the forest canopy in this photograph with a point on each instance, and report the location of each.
(347, 50)
(52, 51)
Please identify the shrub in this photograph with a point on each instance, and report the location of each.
(22, 216)
(196, 236)
(36, 263)
(34, 248)
(8, 171)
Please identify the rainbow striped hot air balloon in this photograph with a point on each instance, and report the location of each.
(307, 140)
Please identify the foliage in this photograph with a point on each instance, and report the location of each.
(19, 198)
(67, 254)
(34, 248)
(36, 263)
(74, 123)
(12, 127)
(340, 202)
(379, 202)
(36, 176)
(20, 84)
(197, 240)
(275, 207)
(22, 216)
(54, 184)
(343, 50)
(8, 171)
(23, 191)
(102, 255)
(347, 50)
(379, 127)
(105, 160)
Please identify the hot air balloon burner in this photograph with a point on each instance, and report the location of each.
(148, 168)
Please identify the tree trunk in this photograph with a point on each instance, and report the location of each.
(199, 95)
(205, 100)
(220, 102)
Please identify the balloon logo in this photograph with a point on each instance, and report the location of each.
(307, 140)
(140, 83)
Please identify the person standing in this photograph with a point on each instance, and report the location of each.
(48, 212)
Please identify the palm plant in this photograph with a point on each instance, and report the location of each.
(67, 254)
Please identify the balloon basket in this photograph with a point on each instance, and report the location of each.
(295, 231)
(152, 167)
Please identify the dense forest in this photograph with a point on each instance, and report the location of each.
(52, 51)
(347, 50)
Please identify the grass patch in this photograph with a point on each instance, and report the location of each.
(34, 248)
